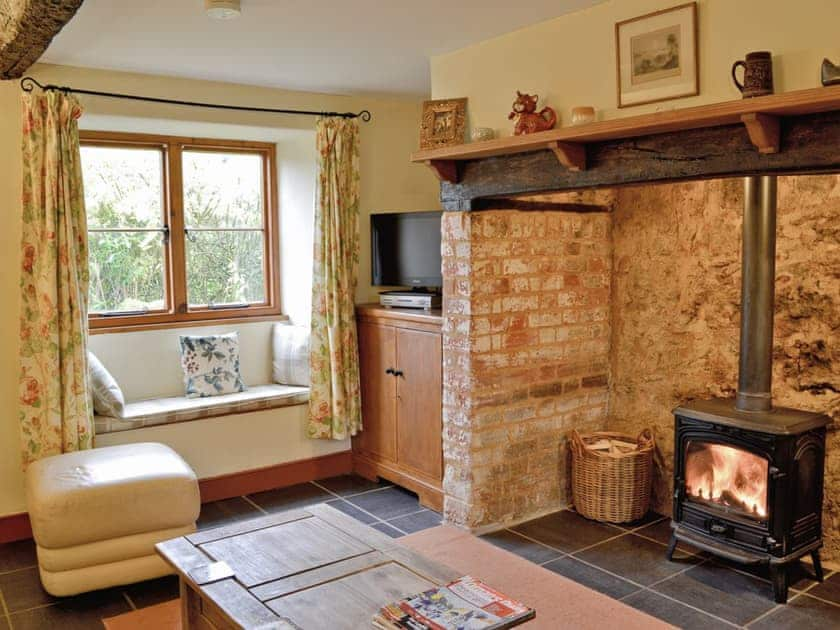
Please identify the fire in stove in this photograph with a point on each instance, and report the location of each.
(727, 477)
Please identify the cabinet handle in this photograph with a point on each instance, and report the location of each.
(398, 373)
(389, 371)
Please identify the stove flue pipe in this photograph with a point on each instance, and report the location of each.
(758, 278)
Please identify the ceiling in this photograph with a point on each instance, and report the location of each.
(350, 46)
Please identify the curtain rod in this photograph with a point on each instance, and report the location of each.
(27, 84)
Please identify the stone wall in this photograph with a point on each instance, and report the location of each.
(675, 310)
(526, 342)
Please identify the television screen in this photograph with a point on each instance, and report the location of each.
(405, 249)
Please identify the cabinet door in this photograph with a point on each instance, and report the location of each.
(378, 389)
(419, 422)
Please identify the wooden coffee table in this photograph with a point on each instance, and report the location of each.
(310, 568)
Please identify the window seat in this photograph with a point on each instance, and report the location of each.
(157, 411)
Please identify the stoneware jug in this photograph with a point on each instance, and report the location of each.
(758, 74)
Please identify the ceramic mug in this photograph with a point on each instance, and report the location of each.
(758, 74)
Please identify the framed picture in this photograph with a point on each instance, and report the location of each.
(656, 56)
(443, 123)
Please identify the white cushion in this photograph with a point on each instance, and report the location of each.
(108, 399)
(94, 495)
(291, 355)
(157, 411)
(211, 365)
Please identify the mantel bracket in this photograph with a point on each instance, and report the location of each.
(572, 155)
(446, 170)
(763, 130)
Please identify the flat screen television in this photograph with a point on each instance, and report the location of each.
(405, 249)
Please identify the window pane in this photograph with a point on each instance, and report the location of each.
(222, 189)
(123, 187)
(225, 267)
(126, 271)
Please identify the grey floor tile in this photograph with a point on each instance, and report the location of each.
(720, 591)
(352, 510)
(152, 592)
(388, 503)
(417, 522)
(830, 589)
(638, 559)
(22, 589)
(673, 612)
(82, 612)
(801, 613)
(800, 575)
(387, 529)
(650, 517)
(567, 531)
(591, 577)
(17, 555)
(522, 547)
(226, 511)
(301, 495)
(351, 484)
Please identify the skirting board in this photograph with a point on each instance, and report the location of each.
(17, 527)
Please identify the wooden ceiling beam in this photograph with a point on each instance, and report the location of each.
(26, 29)
(804, 144)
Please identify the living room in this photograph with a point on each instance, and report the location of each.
(513, 290)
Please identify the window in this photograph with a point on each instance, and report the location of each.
(179, 229)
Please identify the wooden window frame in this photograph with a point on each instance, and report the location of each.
(177, 312)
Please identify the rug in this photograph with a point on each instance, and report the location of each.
(559, 602)
(160, 617)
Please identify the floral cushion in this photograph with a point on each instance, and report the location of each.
(108, 399)
(211, 365)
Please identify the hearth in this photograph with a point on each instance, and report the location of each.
(748, 478)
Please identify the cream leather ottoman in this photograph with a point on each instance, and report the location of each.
(97, 514)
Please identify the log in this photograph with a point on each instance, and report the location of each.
(26, 29)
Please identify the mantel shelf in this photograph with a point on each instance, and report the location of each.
(760, 116)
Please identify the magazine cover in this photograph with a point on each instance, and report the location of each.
(465, 604)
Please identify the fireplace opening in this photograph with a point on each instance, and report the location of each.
(728, 478)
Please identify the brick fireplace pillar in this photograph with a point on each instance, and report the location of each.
(525, 353)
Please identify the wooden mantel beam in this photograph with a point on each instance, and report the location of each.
(804, 144)
(26, 29)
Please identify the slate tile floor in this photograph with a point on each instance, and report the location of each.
(627, 563)
(694, 591)
(25, 606)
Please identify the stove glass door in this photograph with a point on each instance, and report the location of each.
(727, 478)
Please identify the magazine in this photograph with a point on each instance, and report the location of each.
(465, 604)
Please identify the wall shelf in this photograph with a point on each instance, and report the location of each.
(761, 117)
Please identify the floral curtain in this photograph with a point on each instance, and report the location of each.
(334, 404)
(55, 409)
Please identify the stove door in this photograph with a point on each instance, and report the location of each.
(726, 478)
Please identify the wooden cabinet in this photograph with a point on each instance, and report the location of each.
(400, 359)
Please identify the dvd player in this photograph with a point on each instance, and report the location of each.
(409, 299)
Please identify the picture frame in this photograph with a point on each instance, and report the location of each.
(443, 123)
(657, 57)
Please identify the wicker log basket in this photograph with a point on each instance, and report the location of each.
(611, 475)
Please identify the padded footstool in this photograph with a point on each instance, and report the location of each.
(97, 514)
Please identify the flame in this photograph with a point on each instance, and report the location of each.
(727, 476)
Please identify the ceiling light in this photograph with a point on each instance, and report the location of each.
(222, 9)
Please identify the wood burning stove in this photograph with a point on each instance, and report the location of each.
(748, 478)
(749, 487)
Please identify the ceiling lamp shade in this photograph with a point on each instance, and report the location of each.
(222, 9)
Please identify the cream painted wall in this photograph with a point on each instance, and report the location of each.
(11, 475)
(571, 61)
(389, 182)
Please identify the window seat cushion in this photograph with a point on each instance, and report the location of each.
(157, 411)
